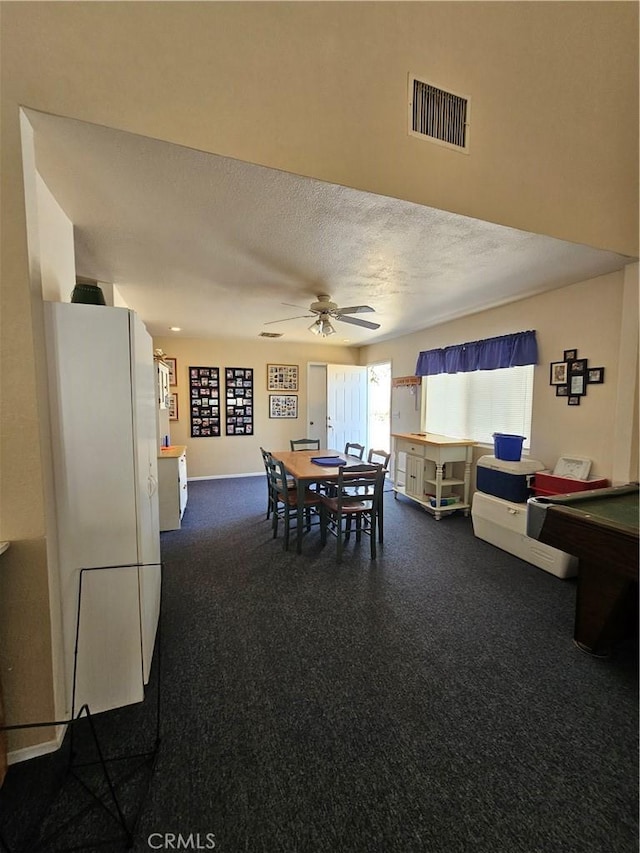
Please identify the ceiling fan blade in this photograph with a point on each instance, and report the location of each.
(284, 319)
(356, 309)
(356, 322)
(291, 305)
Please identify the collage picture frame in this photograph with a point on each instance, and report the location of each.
(283, 406)
(282, 377)
(204, 401)
(239, 400)
(572, 375)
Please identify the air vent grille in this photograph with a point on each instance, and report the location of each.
(441, 117)
(270, 335)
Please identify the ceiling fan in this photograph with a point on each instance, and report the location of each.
(325, 310)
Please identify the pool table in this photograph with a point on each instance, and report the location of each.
(600, 528)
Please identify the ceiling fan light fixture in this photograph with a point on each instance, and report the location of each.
(327, 329)
(322, 327)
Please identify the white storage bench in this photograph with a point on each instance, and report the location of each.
(504, 524)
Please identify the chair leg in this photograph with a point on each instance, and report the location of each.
(373, 534)
(380, 520)
(347, 529)
(285, 538)
(339, 537)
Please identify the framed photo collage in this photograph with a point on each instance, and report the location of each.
(205, 398)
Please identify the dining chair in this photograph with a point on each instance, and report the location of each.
(266, 458)
(271, 498)
(380, 457)
(305, 444)
(353, 449)
(285, 501)
(357, 499)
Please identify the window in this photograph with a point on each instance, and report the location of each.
(475, 405)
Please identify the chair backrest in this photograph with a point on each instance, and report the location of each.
(353, 449)
(266, 456)
(277, 475)
(305, 444)
(379, 457)
(358, 484)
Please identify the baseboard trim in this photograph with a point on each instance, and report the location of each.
(28, 752)
(225, 476)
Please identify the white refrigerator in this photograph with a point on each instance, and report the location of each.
(103, 423)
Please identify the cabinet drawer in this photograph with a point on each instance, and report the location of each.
(407, 447)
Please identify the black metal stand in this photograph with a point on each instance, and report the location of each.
(97, 779)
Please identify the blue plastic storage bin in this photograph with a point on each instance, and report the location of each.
(507, 447)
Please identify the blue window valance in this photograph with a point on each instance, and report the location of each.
(489, 354)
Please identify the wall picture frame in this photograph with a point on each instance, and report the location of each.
(173, 406)
(204, 401)
(239, 400)
(578, 366)
(283, 406)
(558, 373)
(173, 370)
(570, 355)
(595, 375)
(577, 385)
(282, 377)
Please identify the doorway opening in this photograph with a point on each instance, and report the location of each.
(379, 406)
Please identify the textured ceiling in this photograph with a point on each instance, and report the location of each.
(216, 246)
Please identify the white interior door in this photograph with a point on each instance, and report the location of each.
(317, 403)
(346, 405)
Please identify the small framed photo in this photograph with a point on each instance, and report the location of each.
(595, 375)
(578, 365)
(173, 407)
(577, 385)
(570, 354)
(282, 377)
(562, 390)
(558, 373)
(283, 406)
(173, 366)
(573, 401)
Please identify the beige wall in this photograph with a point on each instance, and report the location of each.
(587, 316)
(209, 457)
(319, 89)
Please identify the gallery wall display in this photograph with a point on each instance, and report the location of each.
(572, 375)
(283, 406)
(204, 401)
(239, 400)
(282, 377)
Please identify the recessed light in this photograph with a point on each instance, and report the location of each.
(175, 329)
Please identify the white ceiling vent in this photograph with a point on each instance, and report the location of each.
(439, 116)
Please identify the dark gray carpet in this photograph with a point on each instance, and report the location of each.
(432, 700)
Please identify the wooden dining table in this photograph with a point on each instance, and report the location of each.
(304, 472)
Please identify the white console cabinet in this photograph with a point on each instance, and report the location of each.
(433, 470)
(172, 486)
